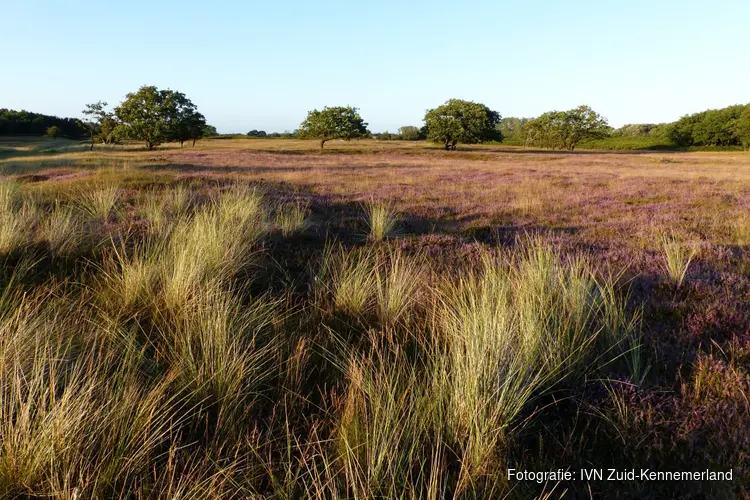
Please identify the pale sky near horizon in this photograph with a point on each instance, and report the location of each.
(262, 65)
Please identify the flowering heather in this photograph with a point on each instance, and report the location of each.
(212, 322)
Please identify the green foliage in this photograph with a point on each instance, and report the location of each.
(100, 123)
(257, 133)
(741, 128)
(209, 131)
(156, 116)
(340, 122)
(410, 133)
(457, 121)
(513, 129)
(53, 131)
(627, 143)
(26, 123)
(565, 129)
(190, 124)
(714, 127)
(387, 136)
(636, 130)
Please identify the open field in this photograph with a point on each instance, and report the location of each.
(254, 318)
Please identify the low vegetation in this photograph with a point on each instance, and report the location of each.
(224, 332)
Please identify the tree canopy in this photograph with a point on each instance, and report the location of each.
(741, 128)
(100, 123)
(53, 131)
(157, 116)
(340, 122)
(713, 127)
(27, 123)
(457, 121)
(410, 133)
(565, 129)
(513, 129)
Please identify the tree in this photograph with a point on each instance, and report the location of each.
(341, 122)
(209, 131)
(409, 133)
(513, 129)
(188, 123)
(156, 116)
(461, 121)
(713, 127)
(53, 131)
(741, 128)
(27, 123)
(257, 133)
(565, 129)
(100, 123)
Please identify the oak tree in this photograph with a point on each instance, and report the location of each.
(462, 121)
(340, 122)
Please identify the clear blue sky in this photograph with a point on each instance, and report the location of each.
(263, 64)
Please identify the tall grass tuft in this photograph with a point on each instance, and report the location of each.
(385, 427)
(399, 286)
(381, 219)
(513, 328)
(221, 349)
(161, 207)
(677, 258)
(61, 229)
(291, 218)
(347, 279)
(97, 203)
(16, 217)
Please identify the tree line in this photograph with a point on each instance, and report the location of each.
(27, 123)
(149, 115)
(156, 116)
(726, 127)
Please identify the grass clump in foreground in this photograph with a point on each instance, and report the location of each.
(98, 203)
(677, 258)
(15, 217)
(381, 219)
(291, 218)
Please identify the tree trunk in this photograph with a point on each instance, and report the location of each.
(182, 144)
(322, 141)
(193, 142)
(447, 146)
(149, 145)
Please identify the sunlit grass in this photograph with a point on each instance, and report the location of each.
(61, 229)
(97, 203)
(17, 217)
(381, 218)
(516, 326)
(677, 257)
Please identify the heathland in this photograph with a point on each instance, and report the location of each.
(258, 318)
